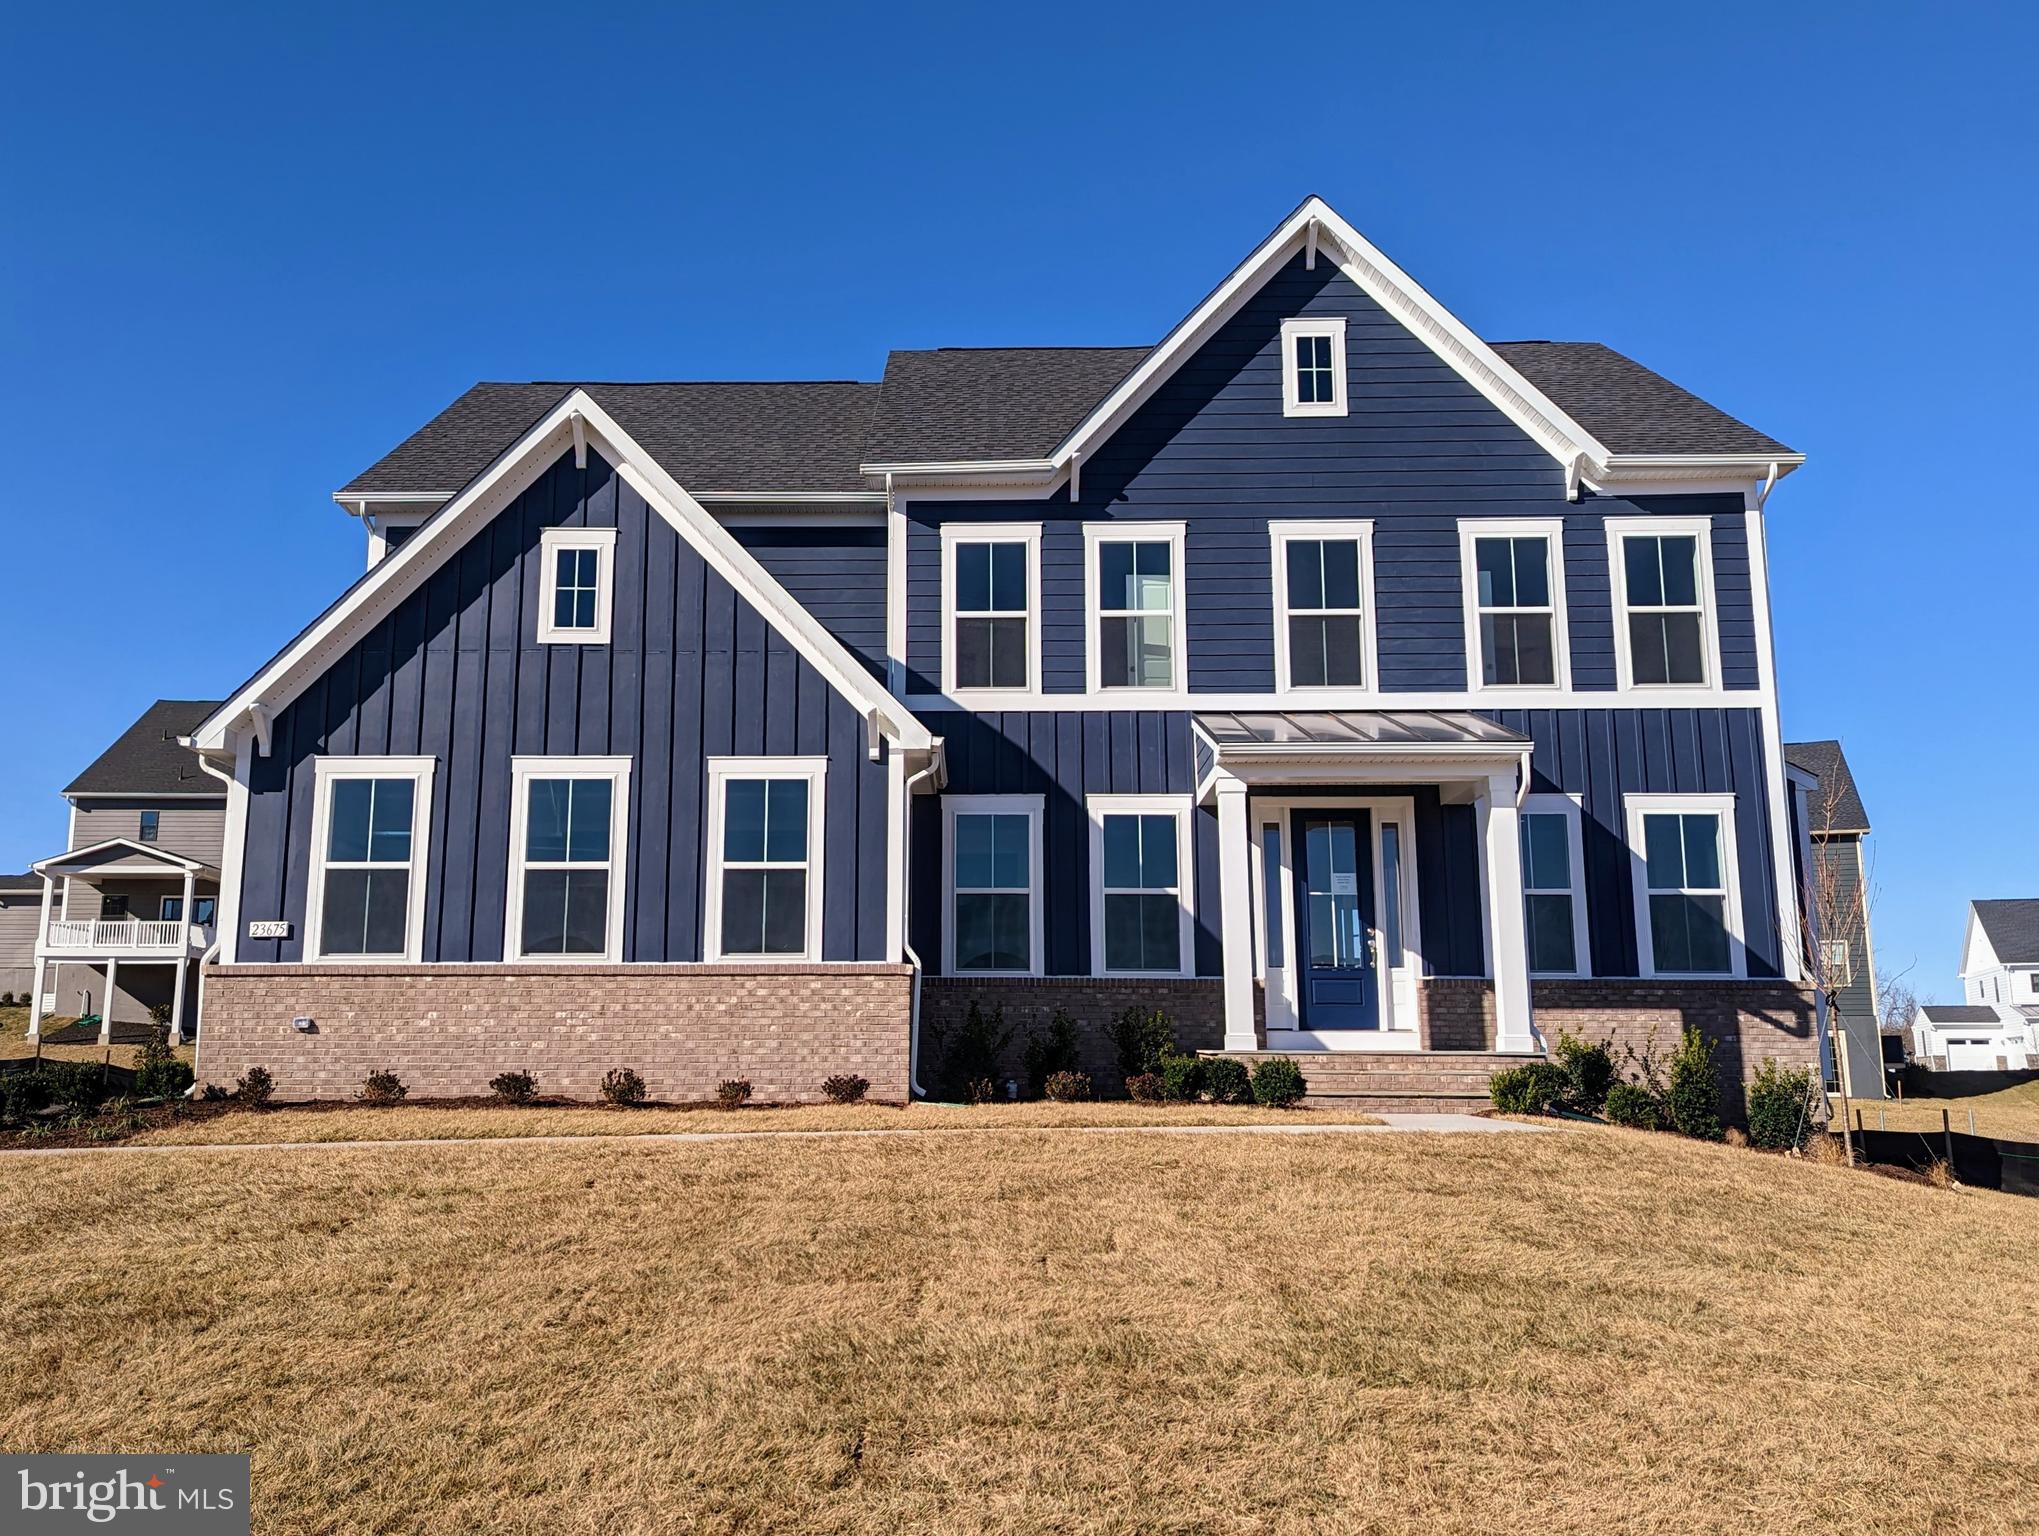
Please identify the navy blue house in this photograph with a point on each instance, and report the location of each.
(1326, 675)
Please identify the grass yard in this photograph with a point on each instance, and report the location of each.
(14, 1042)
(2011, 1113)
(1576, 1332)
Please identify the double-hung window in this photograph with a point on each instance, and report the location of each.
(576, 585)
(567, 845)
(1688, 910)
(1663, 582)
(1136, 605)
(152, 825)
(1514, 602)
(1323, 580)
(371, 821)
(203, 909)
(1313, 367)
(991, 852)
(766, 821)
(1553, 886)
(990, 585)
(1140, 885)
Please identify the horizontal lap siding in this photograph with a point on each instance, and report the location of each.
(836, 574)
(194, 829)
(455, 673)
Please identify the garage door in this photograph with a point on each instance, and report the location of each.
(1971, 1056)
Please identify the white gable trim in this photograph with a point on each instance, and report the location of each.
(127, 845)
(377, 594)
(1978, 955)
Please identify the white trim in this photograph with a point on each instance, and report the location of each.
(1620, 528)
(552, 542)
(1097, 808)
(522, 771)
(1571, 808)
(1333, 329)
(1095, 536)
(1635, 808)
(1790, 948)
(1355, 698)
(1280, 533)
(1029, 806)
(1552, 531)
(147, 850)
(377, 593)
(326, 772)
(1028, 537)
(813, 771)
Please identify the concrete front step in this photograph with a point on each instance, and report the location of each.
(1398, 1081)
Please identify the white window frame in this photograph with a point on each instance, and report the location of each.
(1292, 403)
(1177, 806)
(1569, 807)
(1095, 537)
(326, 772)
(1029, 806)
(1837, 961)
(522, 771)
(1028, 536)
(814, 770)
(1635, 808)
(551, 542)
(1281, 533)
(1552, 531)
(1619, 528)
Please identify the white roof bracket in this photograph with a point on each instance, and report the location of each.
(1310, 248)
(580, 441)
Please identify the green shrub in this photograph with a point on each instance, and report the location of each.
(158, 1072)
(381, 1087)
(1182, 1077)
(1067, 1087)
(1141, 1037)
(733, 1092)
(1591, 1070)
(968, 1053)
(845, 1087)
(1530, 1089)
(23, 1095)
(1634, 1106)
(1278, 1083)
(255, 1087)
(981, 1090)
(1049, 1051)
(1227, 1081)
(159, 1014)
(1146, 1088)
(623, 1086)
(79, 1084)
(514, 1087)
(1780, 1107)
(1692, 1099)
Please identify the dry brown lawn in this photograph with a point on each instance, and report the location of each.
(1590, 1332)
(2012, 1113)
(14, 1042)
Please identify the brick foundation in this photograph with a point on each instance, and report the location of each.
(1197, 1007)
(447, 1029)
(1747, 1021)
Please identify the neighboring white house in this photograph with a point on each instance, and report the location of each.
(2000, 954)
(1974, 1037)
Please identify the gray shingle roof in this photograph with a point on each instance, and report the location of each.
(1829, 764)
(1959, 1013)
(709, 437)
(1625, 405)
(2013, 929)
(146, 760)
(28, 882)
(969, 403)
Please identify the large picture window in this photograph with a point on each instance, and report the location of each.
(990, 587)
(767, 820)
(1323, 581)
(566, 858)
(1663, 586)
(370, 821)
(992, 858)
(1140, 885)
(1136, 605)
(1687, 907)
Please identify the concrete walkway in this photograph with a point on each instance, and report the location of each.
(1454, 1125)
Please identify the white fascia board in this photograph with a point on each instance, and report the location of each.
(1390, 287)
(354, 503)
(388, 583)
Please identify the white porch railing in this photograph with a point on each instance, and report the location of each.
(124, 935)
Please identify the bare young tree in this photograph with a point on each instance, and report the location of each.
(1835, 910)
(1897, 1000)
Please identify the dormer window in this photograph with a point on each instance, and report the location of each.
(1313, 367)
(577, 581)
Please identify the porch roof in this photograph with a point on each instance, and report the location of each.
(123, 856)
(1425, 743)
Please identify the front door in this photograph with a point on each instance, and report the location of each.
(1335, 911)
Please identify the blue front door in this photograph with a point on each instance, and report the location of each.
(1335, 911)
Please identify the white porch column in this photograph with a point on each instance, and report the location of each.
(35, 1002)
(183, 964)
(1235, 914)
(106, 1007)
(42, 940)
(1507, 927)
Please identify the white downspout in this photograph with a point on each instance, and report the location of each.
(218, 936)
(906, 926)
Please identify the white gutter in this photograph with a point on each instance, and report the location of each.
(218, 936)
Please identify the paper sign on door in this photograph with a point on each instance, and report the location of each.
(1345, 885)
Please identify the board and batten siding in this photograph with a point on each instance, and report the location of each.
(1419, 450)
(195, 829)
(455, 673)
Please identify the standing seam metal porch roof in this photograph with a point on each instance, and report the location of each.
(1394, 730)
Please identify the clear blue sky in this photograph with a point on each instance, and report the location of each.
(245, 250)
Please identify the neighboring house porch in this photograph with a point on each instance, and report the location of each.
(123, 925)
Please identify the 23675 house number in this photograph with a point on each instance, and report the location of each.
(269, 928)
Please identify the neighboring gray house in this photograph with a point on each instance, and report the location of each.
(1838, 894)
(20, 915)
(128, 906)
